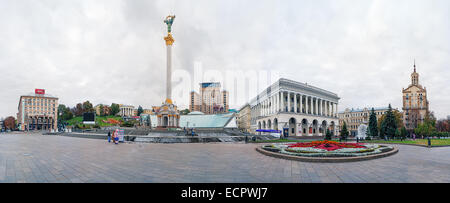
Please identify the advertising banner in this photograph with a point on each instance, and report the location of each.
(39, 91)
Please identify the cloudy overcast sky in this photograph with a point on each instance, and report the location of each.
(109, 51)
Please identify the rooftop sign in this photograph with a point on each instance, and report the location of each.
(39, 91)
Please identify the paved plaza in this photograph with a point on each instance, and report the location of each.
(50, 158)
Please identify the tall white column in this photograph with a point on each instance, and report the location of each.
(280, 101)
(306, 104)
(301, 105)
(169, 72)
(328, 108)
(264, 107)
(277, 102)
(337, 112)
(321, 107)
(332, 109)
(272, 105)
(317, 106)
(295, 102)
(289, 101)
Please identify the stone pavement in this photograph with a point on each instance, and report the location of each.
(48, 158)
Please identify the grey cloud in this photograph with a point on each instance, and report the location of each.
(113, 51)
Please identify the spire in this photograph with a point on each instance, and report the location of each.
(414, 65)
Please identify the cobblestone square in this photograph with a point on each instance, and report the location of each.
(35, 158)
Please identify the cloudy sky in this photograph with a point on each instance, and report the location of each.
(109, 51)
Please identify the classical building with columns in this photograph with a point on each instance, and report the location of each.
(126, 110)
(303, 109)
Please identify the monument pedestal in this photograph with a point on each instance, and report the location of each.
(168, 116)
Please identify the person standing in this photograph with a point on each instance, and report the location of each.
(109, 136)
(116, 137)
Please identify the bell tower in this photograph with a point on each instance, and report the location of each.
(415, 76)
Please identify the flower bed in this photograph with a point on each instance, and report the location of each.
(328, 149)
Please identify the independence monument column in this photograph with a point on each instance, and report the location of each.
(168, 115)
(169, 42)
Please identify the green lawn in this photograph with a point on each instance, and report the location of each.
(434, 142)
(98, 120)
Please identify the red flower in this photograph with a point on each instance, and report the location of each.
(326, 145)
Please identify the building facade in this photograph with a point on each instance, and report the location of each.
(415, 103)
(106, 109)
(243, 118)
(126, 110)
(210, 99)
(302, 109)
(38, 111)
(148, 112)
(356, 117)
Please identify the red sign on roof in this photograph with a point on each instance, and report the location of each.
(39, 91)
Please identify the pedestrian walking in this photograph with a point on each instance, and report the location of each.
(109, 136)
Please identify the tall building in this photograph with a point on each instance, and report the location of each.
(355, 117)
(415, 103)
(38, 111)
(299, 108)
(210, 100)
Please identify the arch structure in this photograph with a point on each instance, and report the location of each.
(295, 108)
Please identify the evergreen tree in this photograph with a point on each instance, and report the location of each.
(328, 135)
(140, 111)
(114, 109)
(382, 129)
(373, 126)
(390, 123)
(403, 133)
(344, 131)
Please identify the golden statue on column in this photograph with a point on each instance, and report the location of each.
(168, 115)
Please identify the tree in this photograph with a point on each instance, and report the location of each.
(61, 109)
(10, 123)
(382, 128)
(344, 131)
(87, 107)
(64, 113)
(427, 128)
(403, 133)
(390, 125)
(140, 110)
(185, 112)
(443, 125)
(115, 108)
(78, 110)
(389, 122)
(373, 127)
(328, 135)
